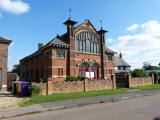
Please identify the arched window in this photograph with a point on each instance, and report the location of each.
(87, 42)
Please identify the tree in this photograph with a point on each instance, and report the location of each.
(148, 66)
(138, 73)
(16, 69)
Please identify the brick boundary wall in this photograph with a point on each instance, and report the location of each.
(88, 85)
(140, 81)
(76, 86)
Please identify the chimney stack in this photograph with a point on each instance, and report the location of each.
(120, 55)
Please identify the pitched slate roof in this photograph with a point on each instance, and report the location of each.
(120, 62)
(58, 41)
(5, 40)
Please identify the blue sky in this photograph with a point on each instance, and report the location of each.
(134, 26)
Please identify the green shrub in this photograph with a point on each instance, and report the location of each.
(25, 101)
(35, 90)
(74, 78)
(80, 78)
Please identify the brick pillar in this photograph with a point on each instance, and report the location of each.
(49, 87)
(152, 77)
(113, 81)
(129, 81)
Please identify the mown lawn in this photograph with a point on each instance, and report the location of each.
(64, 96)
(149, 87)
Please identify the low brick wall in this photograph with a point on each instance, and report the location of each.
(86, 85)
(134, 82)
(99, 85)
(77, 86)
(68, 86)
(42, 86)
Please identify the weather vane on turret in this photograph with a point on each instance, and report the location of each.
(70, 11)
(101, 23)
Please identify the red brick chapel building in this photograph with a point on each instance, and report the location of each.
(79, 51)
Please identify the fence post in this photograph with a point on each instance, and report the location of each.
(47, 87)
(84, 85)
(113, 81)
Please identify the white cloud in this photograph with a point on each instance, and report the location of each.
(142, 46)
(14, 6)
(132, 28)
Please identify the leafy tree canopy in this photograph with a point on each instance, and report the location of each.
(138, 73)
(16, 69)
(148, 66)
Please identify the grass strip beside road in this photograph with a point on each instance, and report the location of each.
(65, 96)
(149, 87)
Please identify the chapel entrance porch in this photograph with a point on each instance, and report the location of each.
(89, 70)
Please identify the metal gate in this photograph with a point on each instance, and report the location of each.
(122, 81)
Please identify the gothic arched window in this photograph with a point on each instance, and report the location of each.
(87, 42)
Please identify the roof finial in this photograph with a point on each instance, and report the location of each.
(120, 54)
(101, 24)
(70, 13)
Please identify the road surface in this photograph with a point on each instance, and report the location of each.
(144, 108)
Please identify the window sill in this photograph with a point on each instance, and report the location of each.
(60, 58)
(87, 53)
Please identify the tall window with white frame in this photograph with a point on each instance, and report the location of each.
(87, 42)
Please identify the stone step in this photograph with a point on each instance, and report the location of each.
(5, 93)
(6, 96)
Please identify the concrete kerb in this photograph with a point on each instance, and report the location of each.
(33, 112)
(111, 100)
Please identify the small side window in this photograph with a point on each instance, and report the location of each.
(60, 53)
(110, 58)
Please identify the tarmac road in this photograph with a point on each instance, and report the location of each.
(143, 108)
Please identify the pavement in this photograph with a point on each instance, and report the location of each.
(7, 100)
(49, 106)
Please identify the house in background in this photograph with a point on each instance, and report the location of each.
(4, 43)
(120, 65)
(79, 51)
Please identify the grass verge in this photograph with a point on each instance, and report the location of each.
(149, 87)
(64, 96)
